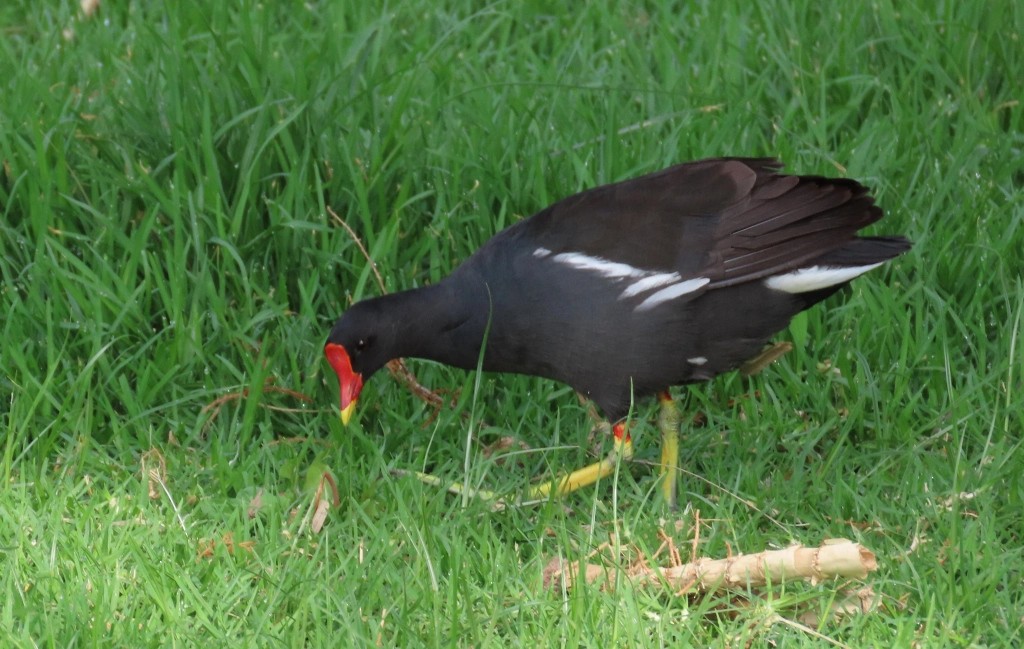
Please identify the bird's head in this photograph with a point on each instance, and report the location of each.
(355, 351)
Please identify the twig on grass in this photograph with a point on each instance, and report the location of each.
(218, 403)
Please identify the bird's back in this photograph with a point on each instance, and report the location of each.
(672, 277)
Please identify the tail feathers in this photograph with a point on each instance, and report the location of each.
(864, 251)
(786, 222)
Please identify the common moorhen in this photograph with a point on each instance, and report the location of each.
(627, 289)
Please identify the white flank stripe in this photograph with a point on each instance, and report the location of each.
(603, 267)
(672, 292)
(666, 286)
(697, 360)
(649, 284)
(816, 277)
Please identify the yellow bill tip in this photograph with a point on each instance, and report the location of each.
(346, 412)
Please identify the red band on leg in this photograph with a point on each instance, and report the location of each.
(621, 434)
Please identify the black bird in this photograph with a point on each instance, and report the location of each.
(627, 289)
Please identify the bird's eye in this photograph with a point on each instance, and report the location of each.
(363, 344)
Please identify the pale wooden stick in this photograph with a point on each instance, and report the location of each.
(833, 558)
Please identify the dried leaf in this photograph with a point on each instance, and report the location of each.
(255, 504)
(154, 471)
(319, 515)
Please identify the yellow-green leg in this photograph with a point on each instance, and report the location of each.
(588, 475)
(668, 424)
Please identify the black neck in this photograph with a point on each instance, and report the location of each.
(443, 323)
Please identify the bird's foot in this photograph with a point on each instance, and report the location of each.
(767, 356)
(588, 475)
(456, 488)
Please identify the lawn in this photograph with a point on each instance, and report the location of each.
(170, 269)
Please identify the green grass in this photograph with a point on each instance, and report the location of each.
(166, 242)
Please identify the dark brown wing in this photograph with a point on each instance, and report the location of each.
(731, 220)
